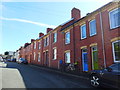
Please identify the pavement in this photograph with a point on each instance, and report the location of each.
(10, 78)
(81, 75)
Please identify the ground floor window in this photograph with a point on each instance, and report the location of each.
(116, 51)
(54, 53)
(67, 57)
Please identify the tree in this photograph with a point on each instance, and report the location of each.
(6, 53)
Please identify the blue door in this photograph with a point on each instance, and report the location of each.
(85, 61)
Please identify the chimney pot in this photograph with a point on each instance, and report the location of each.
(41, 34)
(49, 29)
(32, 40)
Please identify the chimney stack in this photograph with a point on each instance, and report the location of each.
(26, 43)
(41, 34)
(75, 13)
(32, 40)
(49, 29)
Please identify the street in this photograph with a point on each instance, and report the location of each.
(27, 76)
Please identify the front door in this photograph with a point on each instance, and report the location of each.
(85, 60)
(30, 58)
(94, 58)
(47, 58)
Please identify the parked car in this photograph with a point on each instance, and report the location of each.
(13, 60)
(108, 77)
(23, 60)
(1, 59)
(9, 60)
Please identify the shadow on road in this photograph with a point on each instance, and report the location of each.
(34, 77)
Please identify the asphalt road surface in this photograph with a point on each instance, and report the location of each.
(13, 75)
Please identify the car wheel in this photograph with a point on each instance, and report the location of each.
(95, 81)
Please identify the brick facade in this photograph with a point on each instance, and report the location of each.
(102, 40)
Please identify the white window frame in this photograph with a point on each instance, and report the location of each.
(39, 57)
(82, 31)
(39, 45)
(95, 28)
(34, 45)
(47, 41)
(110, 20)
(67, 59)
(54, 37)
(114, 50)
(54, 53)
(66, 38)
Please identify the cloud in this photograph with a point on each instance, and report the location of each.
(27, 21)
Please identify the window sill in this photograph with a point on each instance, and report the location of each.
(46, 46)
(67, 43)
(53, 42)
(83, 38)
(54, 59)
(93, 35)
(116, 61)
(114, 27)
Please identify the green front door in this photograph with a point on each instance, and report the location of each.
(94, 58)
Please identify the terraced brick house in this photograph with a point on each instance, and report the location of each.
(93, 40)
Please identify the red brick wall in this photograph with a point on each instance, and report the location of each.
(76, 43)
(108, 35)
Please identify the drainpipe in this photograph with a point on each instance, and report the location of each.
(50, 48)
(74, 41)
(103, 45)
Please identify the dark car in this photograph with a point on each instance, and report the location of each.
(13, 60)
(108, 77)
(9, 60)
(23, 60)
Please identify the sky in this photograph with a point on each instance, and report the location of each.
(21, 21)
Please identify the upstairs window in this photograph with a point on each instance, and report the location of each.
(39, 45)
(114, 17)
(46, 41)
(67, 37)
(55, 37)
(92, 25)
(83, 31)
(34, 45)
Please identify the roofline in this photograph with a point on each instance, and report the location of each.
(87, 15)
